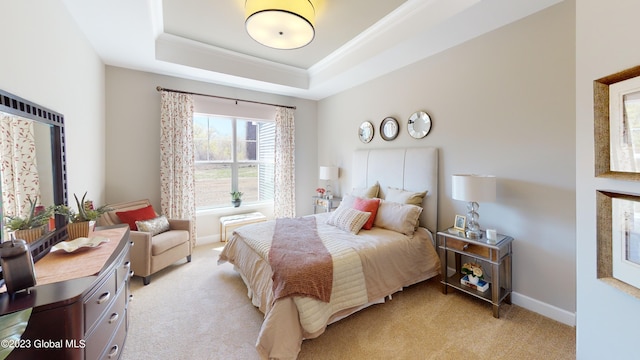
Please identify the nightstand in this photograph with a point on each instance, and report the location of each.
(495, 256)
(325, 204)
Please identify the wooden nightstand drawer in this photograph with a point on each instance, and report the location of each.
(469, 248)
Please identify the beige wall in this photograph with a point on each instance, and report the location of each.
(607, 37)
(46, 59)
(133, 140)
(501, 104)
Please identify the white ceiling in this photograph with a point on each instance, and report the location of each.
(356, 40)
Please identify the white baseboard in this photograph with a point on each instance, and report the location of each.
(537, 306)
(542, 308)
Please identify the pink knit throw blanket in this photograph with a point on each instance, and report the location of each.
(301, 264)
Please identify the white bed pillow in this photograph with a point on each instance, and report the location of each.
(402, 218)
(348, 219)
(405, 197)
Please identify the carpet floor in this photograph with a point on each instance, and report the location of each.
(200, 310)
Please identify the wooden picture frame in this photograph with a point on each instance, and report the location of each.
(617, 128)
(460, 223)
(618, 238)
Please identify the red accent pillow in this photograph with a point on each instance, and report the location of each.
(130, 217)
(367, 205)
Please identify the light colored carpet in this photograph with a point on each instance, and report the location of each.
(200, 310)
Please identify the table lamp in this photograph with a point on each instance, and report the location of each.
(329, 173)
(474, 189)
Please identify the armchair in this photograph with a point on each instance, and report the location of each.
(150, 253)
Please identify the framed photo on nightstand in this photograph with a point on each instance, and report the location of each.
(460, 223)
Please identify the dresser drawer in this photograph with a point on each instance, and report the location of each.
(99, 301)
(123, 269)
(114, 350)
(98, 340)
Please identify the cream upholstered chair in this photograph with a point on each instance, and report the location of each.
(151, 253)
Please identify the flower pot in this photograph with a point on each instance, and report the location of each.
(236, 202)
(80, 229)
(31, 235)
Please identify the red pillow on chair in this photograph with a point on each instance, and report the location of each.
(367, 205)
(130, 217)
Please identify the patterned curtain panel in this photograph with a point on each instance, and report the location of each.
(285, 184)
(177, 186)
(19, 168)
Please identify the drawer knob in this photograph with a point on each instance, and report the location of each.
(127, 264)
(113, 318)
(113, 352)
(466, 246)
(104, 297)
(131, 273)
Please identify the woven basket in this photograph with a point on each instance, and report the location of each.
(30, 235)
(80, 229)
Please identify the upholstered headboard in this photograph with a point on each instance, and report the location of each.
(412, 169)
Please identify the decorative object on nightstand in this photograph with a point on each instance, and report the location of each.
(474, 189)
(329, 173)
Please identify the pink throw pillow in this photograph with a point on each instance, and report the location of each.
(367, 205)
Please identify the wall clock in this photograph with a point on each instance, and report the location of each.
(419, 124)
(365, 132)
(389, 128)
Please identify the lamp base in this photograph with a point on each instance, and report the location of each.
(474, 234)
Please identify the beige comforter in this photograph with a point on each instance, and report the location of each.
(367, 267)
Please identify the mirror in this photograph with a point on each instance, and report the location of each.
(46, 129)
(389, 128)
(365, 132)
(419, 124)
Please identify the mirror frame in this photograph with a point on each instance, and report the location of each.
(361, 134)
(18, 106)
(395, 128)
(423, 117)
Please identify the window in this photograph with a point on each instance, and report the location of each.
(233, 154)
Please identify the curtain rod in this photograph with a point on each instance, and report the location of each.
(160, 88)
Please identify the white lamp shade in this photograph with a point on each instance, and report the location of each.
(474, 188)
(280, 24)
(328, 172)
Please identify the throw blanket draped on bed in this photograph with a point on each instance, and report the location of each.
(302, 265)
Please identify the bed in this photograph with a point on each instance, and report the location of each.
(393, 250)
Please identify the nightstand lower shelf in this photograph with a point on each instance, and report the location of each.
(454, 282)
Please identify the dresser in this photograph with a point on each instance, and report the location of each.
(79, 304)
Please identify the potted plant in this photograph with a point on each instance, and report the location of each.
(236, 198)
(84, 219)
(34, 225)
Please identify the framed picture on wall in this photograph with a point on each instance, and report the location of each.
(619, 240)
(617, 125)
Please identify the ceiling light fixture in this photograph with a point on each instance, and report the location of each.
(280, 24)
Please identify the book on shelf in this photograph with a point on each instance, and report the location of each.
(480, 286)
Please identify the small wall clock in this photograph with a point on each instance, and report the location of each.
(389, 128)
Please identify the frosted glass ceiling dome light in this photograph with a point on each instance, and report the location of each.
(280, 24)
